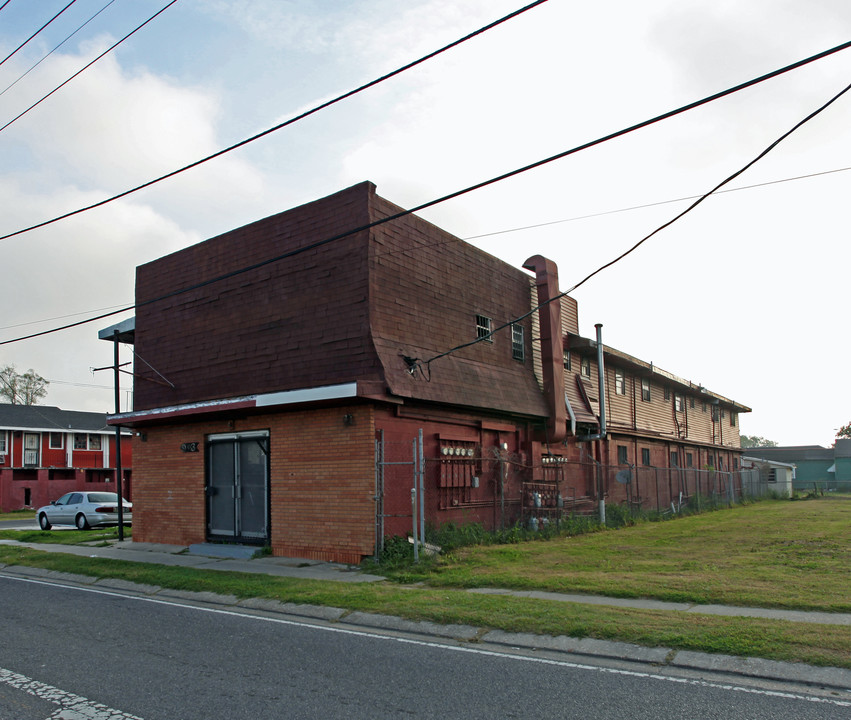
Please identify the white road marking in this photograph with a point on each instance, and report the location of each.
(71, 707)
(453, 648)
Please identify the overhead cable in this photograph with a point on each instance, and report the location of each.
(274, 128)
(603, 213)
(37, 31)
(33, 67)
(450, 196)
(426, 364)
(86, 67)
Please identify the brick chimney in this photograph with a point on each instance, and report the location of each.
(552, 349)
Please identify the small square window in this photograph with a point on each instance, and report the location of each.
(518, 342)
(585, 367)
(645, 389)
(484, 328)
(645, 456)
(94, 442)
(620, 382)
(81, 441)
(623, 458)
(57, 440)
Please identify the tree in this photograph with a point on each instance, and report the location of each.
(22, 388)
(844, 431)
(752, 441)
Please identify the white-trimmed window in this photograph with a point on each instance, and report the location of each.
(645, 389)
(620, 382)
(585, 367)
(57, 440)
(3, 450)
(87, 441)
(518, 342)
(679, 403)
(484, 328)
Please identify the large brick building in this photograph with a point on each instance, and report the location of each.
(291, 364)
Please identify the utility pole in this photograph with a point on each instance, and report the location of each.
(118, 469)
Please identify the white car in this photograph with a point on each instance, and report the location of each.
(84, 510)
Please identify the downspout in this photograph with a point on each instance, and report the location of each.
(552, 348)
(601, 376)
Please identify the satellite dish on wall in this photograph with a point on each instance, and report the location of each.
(624, 477)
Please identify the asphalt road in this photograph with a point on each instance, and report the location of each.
(65, 650)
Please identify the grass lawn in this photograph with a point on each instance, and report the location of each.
(777, 554)
(774, 554)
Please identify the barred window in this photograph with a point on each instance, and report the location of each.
(518, 342)
(484, 327)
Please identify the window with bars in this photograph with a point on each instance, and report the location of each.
(484, 328)
(518, 342)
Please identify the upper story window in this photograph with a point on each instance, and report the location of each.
(691, 403)
(567, 361)
(679, 403)
(620, 382)
(667, 393)
(518, 342)
(585, 367)
(645, 389)
(57, 440)
(733, 417)
(484, 328)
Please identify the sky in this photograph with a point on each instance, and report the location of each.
(746, 295)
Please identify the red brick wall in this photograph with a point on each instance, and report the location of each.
(294, 323)
(321, 475)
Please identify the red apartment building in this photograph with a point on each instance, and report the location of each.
(298, 357)
(46, 452)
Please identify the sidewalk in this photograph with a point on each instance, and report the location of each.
(240, 559)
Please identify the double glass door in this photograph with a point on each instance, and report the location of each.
(238, 486)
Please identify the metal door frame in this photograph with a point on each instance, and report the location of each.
(235, 438)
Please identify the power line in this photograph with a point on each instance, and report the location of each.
(124, 307)
(37, 31)
(57, 47)
(427, 363)
(5, 4)
(450, 196)
(652, 204)
(87, 66)
(275, 128)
